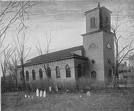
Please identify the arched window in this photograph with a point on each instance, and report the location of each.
(57, 72)
(40, 73)
(27, 76)
(21, 75)
(93, 74)
(33, 74)
(48, 72)
(68, 71)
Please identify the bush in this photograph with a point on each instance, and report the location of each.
(44, 85)
(41, 84)
(68, 85)
(97, 85)
(8, 85)
(85, 83)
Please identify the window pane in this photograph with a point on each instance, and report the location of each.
(93, 22)
(21, 76)
(33, 74)
(93, 74)
(40, 73)
(68, 71)
(27, 76)
(48, 72)
(57, 72)
(79, 70)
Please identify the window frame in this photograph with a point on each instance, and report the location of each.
(79, 70)
(33, 75)
(48, 72)
(93, 75)
(27, 76)
(57, 69)
(68, 71)
(40, 73)
(93, 23)
(21, 75)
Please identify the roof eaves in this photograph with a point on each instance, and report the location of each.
(67, 57)
(91, 10)
(99, 9)
(37, 63)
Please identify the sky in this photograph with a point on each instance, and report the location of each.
(64, 21)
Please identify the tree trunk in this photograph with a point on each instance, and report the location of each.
(16, 79)
(24, 84)
(116, 76)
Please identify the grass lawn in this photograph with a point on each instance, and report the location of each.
(101, 100)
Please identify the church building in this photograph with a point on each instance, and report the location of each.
(94, 59)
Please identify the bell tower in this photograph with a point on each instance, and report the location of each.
(98, 18)
(98, 43)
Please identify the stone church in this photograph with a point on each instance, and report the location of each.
(94, 59)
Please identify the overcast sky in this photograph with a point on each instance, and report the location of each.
(64, 21)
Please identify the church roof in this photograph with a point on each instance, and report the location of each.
(101, 8)
(56, 56)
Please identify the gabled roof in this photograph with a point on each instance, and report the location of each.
(100, 8)
(56, 56)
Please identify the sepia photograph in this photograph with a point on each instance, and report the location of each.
(67, 55)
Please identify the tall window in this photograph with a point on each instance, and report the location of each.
(93, 22)
(93, 74)
(33, 74)
(40, 73)
(21, 75)
(110, 74)
(27, 76)
(57, 72)
(107, 20)
(48, 72)
(68, 71)
(79, 70)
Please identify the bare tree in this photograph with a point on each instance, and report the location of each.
(39, 49)
(11, 13)
(22, 53)
(46, 48)
(48, 43)
(120, 54)
(7, 53)
(45, 51)
(13, 67)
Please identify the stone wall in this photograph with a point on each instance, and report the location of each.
(93, 45)
(89, 15)
(52, 66)
(108, 45)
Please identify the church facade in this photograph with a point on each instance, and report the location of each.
(94, 59)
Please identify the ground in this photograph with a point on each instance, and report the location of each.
(100, 100)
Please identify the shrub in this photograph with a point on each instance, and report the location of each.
(83, 83)
(8, 85)
(41, 84)
(68, 85)
(86, 83)
(44, 85)
(97, 85)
